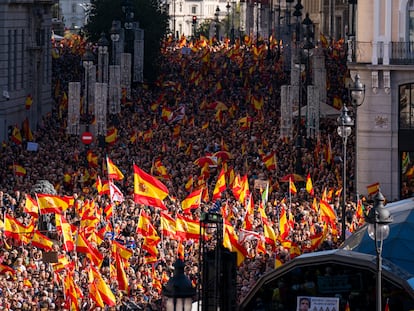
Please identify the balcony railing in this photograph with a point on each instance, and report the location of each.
(399, 53)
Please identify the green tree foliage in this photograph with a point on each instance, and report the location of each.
(147, 13)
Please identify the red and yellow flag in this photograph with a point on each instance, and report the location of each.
(187, 228)
(309, 185)
(65, 229)
(148, 190)
(19, 170)
(102, 288)
(292, 187)
(192, 201)
(111, 135)
(113, 171)
(31, 207)
(55, 204)
(167, 225)
(327, 211)
(41, 241)
(373, 188)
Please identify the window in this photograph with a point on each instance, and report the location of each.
(410, 15)
(406, 106)
(407, 174)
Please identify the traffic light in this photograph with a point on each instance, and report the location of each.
(194, 19)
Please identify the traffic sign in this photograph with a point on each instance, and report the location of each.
(87, 138)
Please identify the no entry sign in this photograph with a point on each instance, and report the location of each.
(87, 138)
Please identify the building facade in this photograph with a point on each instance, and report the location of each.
(383, 57)
(74, 13)
(255, 17)
(25, 62)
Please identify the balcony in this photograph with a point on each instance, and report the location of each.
(398, 53)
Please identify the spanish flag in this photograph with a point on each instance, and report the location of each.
(55, 204)
(220, 185)
(292, 187)
(167, 225)
(192, 201)
(111, 135)
(19, 170)
(373, 188)
(309, 186)
(28, 102)
(327, 211)
(31, 207)
(41, 241)
(148, 190)
(113, 171)
(16, 136)
(101, 289)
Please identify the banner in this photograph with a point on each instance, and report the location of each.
(305, 303)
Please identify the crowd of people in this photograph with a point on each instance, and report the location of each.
(208, 99)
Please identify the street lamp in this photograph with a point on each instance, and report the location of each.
(345, 123)
(103, 44)
(228, 19)
(114, 32)
(378, 220)
(304, 48)
(232, 21)
(127, 9)
(87, 61)
(356, 95)
(178, 291)
(217, 22)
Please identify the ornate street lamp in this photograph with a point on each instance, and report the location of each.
(345, 123)
(357, 91)
(178, 292)
(228, 19)
(304, 28)
(356, 95)
(217, 23)
(233, 6)
(114, 32)
(378, 220)
(87, 62)
(103, 44)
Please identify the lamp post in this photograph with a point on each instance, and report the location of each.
(298, 14)
(378, 220)
(216, 15)
(178, 292)
(232, 21)
(114, 32)
(306, 48)
(228, 19)
(356, 94)
(345, 123)
(87, 61)
(103, 44)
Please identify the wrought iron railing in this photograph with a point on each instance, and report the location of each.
(399, 53)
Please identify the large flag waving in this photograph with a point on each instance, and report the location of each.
(55, 204)
(148, 190)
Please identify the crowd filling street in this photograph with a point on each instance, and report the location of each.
(214, 109)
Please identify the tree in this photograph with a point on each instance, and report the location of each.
(147, 13)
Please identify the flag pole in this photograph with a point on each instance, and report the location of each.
(290, 195)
